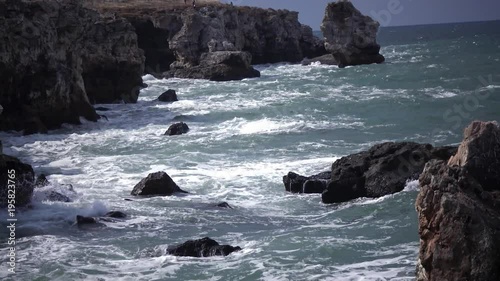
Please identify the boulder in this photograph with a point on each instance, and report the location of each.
(350, 36)
(177, 129)
(158, 183)
(382, 170)
(218, 66)
(458, 210)
(204, 247)
(81, 220)
(296, 183)
(17, 177)
(168, 96)
(327, 59)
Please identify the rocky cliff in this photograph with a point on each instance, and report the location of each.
(57, 58)
(459, 210)
(220, 39)
(350, 36)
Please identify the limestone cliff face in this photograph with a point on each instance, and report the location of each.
(180, 39)
(350, 36)
(56, 58)
(459, 210)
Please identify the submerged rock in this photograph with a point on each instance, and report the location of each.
(158, 183)
(350, 36)
(204, 247)
(224, 205)
(116, 214)
(177, 129)
(168, 96)
(459, 210)
(16, 179)
(81, 220)
(382, 170)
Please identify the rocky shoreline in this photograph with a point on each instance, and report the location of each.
(60, 58)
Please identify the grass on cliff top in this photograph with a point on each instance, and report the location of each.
(145, 5)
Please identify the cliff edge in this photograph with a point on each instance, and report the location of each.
(459, 210)
(57, 58)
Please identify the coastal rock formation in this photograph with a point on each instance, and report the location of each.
(168, 96)
(204, 247)
(158, 183)
(459, 210)
(21, 178)
(57, 57)
(219, 42)
(177, 129)
(382, 170)
(350, 36)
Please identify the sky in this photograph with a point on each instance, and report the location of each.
(391, 12)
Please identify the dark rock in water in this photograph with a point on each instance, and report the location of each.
(205, 247)
(81, 220)
(168, 96)
(218, 66)
(54, 196)
(100, 108)
(177, 129)
(34, 126)
(116, 214)
(158, 183)
(21, 176)
(224, 205)
(327, 59)
(383, 169)
(127, 199)
(458, 209)
(296, 183)
(41, 181)
(350, 36)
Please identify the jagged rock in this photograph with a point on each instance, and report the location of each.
(57, 57)
(168, 96)
(21, 178)
(177, 129)
(350, 36)
(459, 210)
(158, 183)
(296, 183)
(204, 247)
(325, 60)
(382, 170)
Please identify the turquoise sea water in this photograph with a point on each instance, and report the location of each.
(245, 135)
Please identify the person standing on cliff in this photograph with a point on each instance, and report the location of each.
(194, 3)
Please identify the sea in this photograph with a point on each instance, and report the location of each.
(244, 137)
